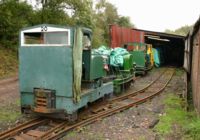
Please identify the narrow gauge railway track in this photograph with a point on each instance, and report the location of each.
(59, 129)
(30, 130)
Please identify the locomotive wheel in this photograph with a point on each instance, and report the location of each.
(72, 117)
(25, 110)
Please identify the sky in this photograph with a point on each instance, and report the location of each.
(158, 15)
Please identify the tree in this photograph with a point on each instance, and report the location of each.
(66, 12)
(14, 16)
(125, 22)
(180, 31)
(105, 15)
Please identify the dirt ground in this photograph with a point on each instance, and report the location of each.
(10, 114)
(9, 90)
(135, 123)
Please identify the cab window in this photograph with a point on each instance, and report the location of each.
(46, 38)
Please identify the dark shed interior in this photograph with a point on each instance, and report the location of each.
(170, 46)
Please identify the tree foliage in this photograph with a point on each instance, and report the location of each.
(125, 22)
(16, 14)
(65, 12)
(13, 16)
(106, 14)
(180, 31)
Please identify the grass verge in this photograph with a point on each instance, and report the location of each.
(177, 121)
(10, 112)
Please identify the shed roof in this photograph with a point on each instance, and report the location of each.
(161, 34)
(56, 26)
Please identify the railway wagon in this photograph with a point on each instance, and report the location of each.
(134, 41)
(58, 74)
(118, 64)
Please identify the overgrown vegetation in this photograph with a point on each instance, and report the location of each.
(8, 62)
(179, 72)
(6, 112)
(14, 16)
(177, 120)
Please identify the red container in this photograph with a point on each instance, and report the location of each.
(121, 35)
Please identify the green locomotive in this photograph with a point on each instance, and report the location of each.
(58, 73)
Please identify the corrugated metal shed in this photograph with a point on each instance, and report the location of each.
(134, 39)
(122, 35)
(187, 55)
(192, 62)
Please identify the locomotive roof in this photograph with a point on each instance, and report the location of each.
(56, 26)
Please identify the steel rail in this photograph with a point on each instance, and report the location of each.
(21, 127)
(58, 127)
(107, 113)
(61, 128)
(138, 91)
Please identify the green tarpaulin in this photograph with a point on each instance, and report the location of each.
(115, 56)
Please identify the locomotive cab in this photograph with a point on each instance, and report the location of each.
(57, 72)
